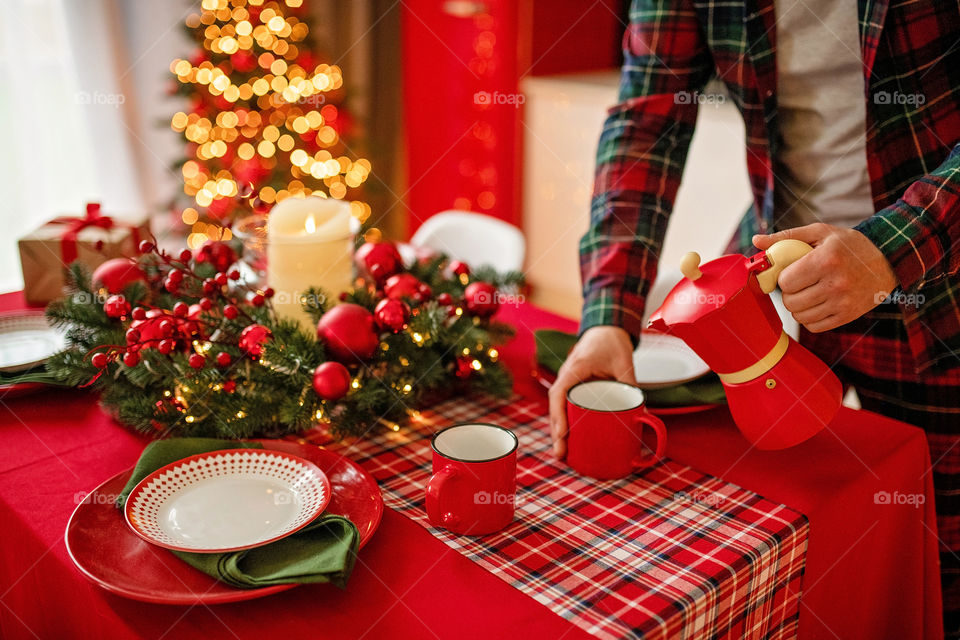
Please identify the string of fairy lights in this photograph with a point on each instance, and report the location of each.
(262, 114)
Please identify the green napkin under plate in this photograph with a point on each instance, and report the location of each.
(552, 347)
(323, 551)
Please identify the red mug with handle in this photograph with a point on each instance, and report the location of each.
(605, 435)
(473, 487)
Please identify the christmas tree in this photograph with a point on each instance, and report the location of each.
(266, 119)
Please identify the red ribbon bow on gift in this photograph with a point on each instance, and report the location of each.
(68, 241)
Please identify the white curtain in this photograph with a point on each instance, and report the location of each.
(82, 112)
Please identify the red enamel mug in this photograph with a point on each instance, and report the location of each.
(474, 484)
(605, 421)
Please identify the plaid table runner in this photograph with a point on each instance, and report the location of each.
(667, 553)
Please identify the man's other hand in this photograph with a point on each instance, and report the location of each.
(603, 352)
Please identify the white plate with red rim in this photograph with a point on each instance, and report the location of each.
(665, 361)
(227, 500)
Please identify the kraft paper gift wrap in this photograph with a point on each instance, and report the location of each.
(92, 239)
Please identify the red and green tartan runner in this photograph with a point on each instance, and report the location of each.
(666, 553)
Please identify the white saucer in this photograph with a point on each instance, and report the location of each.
(665, 361)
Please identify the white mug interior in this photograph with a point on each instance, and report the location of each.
(475, 442)
(606, 395)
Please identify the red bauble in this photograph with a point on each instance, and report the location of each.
(392, 315)
(221, 208)
(219, 254)
(464, 367)
(114, 275)
(147, 330)
(459, 268)
(378, 260)
(166, 332)
(348, 332)
(406, 286)
(166, 327)
(481, 299)
(190, 330)
(251, 171)
(99, 360)
(253, 338)
(444, 299)
(307, 61)
(116, 306)
(199, 57)
(196, 361)
(331, 381)
(243, 61)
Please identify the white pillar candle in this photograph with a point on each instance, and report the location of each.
(309, 244)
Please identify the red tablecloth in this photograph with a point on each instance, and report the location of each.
(871, 566)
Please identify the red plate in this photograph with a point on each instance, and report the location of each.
(112, 556)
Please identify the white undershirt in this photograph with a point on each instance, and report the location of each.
(822, 164)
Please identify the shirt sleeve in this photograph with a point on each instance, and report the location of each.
(920, 233)
(640, 159)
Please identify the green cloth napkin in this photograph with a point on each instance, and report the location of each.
(323, 551)
(552, 347)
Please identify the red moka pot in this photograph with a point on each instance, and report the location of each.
(779, 393)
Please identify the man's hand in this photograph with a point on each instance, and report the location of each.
(841, 279)
(601, 352)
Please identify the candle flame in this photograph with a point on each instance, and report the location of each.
(310, 225)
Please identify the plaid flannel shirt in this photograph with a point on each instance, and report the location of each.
(911, 58)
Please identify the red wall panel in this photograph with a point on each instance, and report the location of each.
(462, 62)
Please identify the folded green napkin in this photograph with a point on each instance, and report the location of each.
(323, 551)
(552, 347)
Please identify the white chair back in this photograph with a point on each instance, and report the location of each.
(474, 238)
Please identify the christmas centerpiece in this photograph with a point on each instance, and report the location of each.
(178, 344)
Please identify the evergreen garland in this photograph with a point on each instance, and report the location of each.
(443, 349)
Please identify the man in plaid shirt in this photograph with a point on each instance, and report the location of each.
(852, 114)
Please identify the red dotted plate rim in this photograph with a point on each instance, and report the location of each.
(141, 486)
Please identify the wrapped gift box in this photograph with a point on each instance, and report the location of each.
(46, 252)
